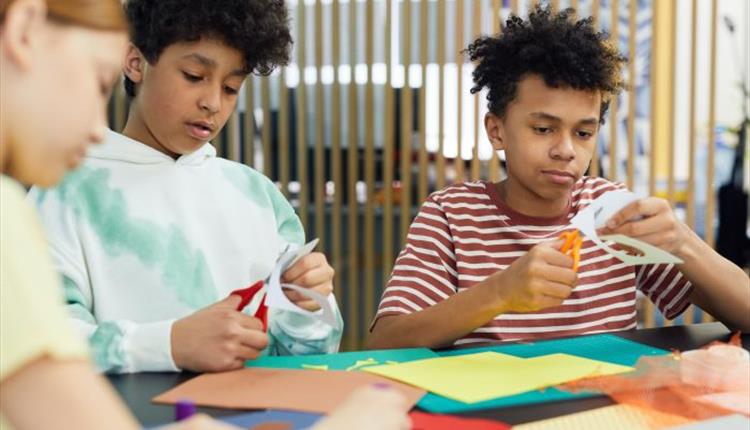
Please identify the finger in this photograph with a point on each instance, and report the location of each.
(255, 339)
(645, 207)
(643, 227)
(245, 353)
(556, 290)
(552, 244)
(304, 264)
(309, 305)
(313, 277)
(248, 322)
(232, 301)
(562, 275)
(553, 257)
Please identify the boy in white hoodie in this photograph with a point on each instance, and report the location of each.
(154, 231)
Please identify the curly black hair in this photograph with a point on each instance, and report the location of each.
(562, 51)
(259, 29)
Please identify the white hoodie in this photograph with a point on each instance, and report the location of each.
(142, 239)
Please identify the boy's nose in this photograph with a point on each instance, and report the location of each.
(563, 149)
(210, 101)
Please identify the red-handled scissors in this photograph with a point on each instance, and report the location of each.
(247, 294)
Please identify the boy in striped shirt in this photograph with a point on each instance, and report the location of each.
(482, 260)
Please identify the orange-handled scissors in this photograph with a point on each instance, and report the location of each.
(572, 246)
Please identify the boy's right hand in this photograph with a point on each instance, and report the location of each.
(540, 279)
(217, 338)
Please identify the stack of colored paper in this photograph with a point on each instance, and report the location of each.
(488, 375)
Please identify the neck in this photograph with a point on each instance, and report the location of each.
(137, 129)
(527, 202)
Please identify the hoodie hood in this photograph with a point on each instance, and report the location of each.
(118, 147)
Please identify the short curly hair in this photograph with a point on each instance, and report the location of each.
(259, 29)
(562, 51)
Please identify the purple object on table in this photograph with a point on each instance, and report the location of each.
(184, 410)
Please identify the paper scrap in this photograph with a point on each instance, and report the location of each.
(615, 417)
(597, 214)
(487, 375)
(425, 421)
(295, 390)
(275, 297)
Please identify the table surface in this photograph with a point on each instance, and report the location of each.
(137, 389)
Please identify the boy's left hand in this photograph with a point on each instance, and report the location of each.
(312, 272)
(650, 220)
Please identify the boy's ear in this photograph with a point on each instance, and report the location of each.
(21, 30)
(493, 125)
(135, 64)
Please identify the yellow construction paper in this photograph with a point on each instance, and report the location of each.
(615, 417)
(488, 375)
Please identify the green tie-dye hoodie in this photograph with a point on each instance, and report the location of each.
(142, 240)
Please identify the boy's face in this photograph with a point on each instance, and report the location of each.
(185, 98)
(548, 135)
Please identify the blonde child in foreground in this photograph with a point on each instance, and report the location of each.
(44, 367)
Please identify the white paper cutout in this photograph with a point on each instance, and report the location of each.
(597, 214)
(275, 297)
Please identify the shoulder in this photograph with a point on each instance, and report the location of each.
(591, 187)
(16, 211)
(242, 173)
(465, 192)
(251, 183)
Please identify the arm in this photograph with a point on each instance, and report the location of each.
(542, 278)
(719, 287)
(118, 346)
(44, 385)
(439, 325)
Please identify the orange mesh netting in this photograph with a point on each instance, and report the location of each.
(698, 385)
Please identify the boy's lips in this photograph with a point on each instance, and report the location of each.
(559, 177)
(200, 129)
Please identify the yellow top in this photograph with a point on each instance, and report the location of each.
(33, 320)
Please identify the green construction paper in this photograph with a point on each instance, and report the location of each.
(353, 360)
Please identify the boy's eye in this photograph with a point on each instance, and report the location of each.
(583, 134)
(190, 77)
(231, 91)
(542, 130)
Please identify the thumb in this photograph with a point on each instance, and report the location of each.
(231, 301)
(553, 244)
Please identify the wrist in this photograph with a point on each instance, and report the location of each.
(690, 245)
(491, 294)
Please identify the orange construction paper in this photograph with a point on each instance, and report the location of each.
(292, 389)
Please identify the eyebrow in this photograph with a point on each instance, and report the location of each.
(211, 63)
(549, 117)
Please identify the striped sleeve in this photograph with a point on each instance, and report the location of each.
(425, 270)
(665, 286)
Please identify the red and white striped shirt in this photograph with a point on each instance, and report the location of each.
(465, 232)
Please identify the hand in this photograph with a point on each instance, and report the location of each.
(540, 279)
(369, 408)
(217, 338)
(312, 272)
(650, 220)
(201, 422)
